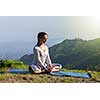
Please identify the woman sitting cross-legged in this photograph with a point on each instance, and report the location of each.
(42, 61)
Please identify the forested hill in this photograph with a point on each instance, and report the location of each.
(75, 52)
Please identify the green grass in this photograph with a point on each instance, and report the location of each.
(11, 64)
(20, 66)
(45, 78)
(81, 71)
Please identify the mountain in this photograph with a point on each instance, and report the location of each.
(27, 59)
(16, 49)
(76, 52)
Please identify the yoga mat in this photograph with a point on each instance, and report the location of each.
(72, 74)
(18, 71)
(59, 73)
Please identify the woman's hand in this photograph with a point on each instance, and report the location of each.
(50, 67)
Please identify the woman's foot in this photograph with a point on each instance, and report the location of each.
(34, 71)
(55, 69)
(37, 71)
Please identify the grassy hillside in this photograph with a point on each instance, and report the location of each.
(77, 52)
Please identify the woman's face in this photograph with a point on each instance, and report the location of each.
(45, 38)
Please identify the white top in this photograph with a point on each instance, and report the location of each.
(41, 57)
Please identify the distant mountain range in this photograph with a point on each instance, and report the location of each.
(16, 49)
(76, 52)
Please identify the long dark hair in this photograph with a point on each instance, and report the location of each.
(41, 38)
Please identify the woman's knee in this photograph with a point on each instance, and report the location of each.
(37, 71)
(58, 65)
(33, 69)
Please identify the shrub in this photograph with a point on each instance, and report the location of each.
(12, 64)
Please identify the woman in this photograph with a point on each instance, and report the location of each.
(42, 61)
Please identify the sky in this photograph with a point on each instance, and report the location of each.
(25, 28)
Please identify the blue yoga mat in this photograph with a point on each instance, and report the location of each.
(60, 73)
(72, 74)
(18, 71)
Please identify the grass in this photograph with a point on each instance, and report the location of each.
(45, 78)
(20, 67)
(40, 78)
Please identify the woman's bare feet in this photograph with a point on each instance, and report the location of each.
(37, 71)
(55, 69)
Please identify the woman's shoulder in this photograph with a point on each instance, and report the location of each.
(36, 47)
(46, 46)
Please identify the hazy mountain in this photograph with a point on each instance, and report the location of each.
(16, 49)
